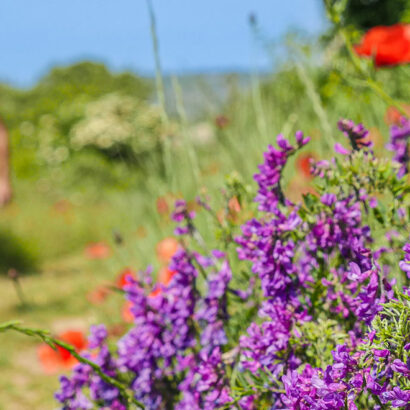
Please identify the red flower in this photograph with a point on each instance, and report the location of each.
(303, 164)
(60, 359)
(166, 249)
(126, 313)
(234, 206)
(162, 206)
(98, 295)
(98, 250)
(164, 277)
(393, 115)
(389, 45)
(122, 278)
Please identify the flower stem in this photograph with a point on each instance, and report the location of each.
(52, 342)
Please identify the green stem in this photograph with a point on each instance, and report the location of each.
(19, 291)
(375, 86)
(52, 342)
(160, 91)
(183, 118)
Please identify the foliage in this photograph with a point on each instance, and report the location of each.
(40, 119)
(367, 14)
(120, 126)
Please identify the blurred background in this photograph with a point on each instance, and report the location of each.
(115, 109)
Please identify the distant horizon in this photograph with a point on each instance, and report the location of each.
(195, 38)
(209, 71)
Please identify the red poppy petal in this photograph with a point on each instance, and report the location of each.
(166, 249)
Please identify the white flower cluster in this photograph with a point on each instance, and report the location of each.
(117, 120)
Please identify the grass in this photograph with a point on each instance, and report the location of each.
(56, 301)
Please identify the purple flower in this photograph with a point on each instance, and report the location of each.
(340, 149)
(270, 191)
(397, 397)
(405, 264)
(97, 336)
(399, 144)
(355, 133)
(381, 353)
(400, 367)
(328, 199)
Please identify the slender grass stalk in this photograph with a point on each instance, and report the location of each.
(258, 106)
(261, 122)
(160, 93)
(289, 124)
(193, 159)
(158, 72)
(15, 278)
(53, 342)
(317, 105)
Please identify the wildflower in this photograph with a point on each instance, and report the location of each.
(97, 250)
(166, 249)
(270, 193)
(303, 164)
(98, 295)
(162, 205)
(399, 144)
(356, 134)
(164, 278)
(405, 264)
(126, 312)
(60, 359)
(234, 209)
(234, 205)
(307, 261)
(389, 45)
(340, 149)
(393, 115)
(124, 277)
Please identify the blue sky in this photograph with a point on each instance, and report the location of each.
(194, 35)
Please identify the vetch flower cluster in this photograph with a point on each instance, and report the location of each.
(399, 144)
(203, 342)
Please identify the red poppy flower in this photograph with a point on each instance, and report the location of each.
(393, 115)
(55, 360)
(303, 164)
(126, 313)
(389, 45)
(98, 295)
(122, 278)
(162, 206)
(220, 214)
(166, 249)
(98, 250)
(234, 205)
(164, 278)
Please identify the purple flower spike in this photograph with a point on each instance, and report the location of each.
(399, 144)
(340, 149)
(328, 199)
(381, 353)
(355, 133)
